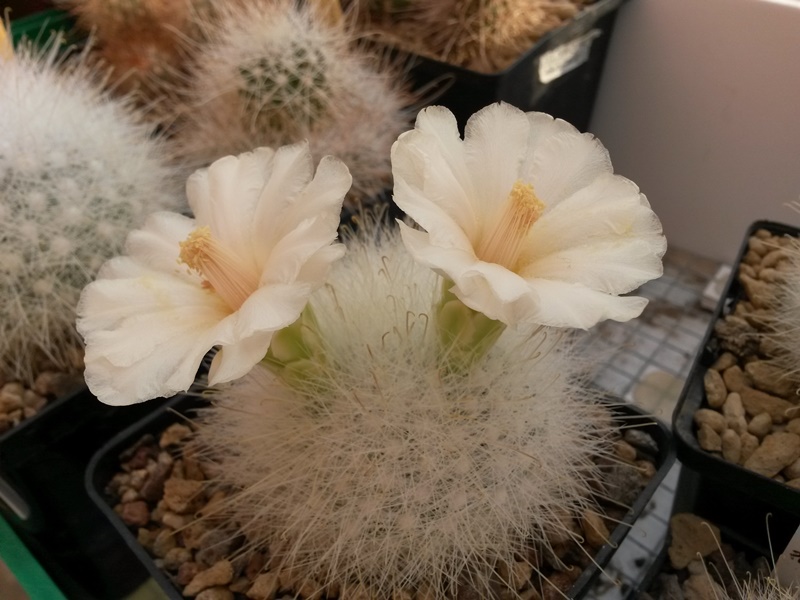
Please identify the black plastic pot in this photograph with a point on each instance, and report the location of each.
(647, 586)
(558, 75)
(736, 499)
(42, 467)
(106, 463)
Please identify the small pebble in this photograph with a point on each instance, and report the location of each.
(716, 392)
(134, 514)
(776, 452)
(711, 419)
(731, 446)
(264, 587)
(709, 439)
(691, 536)
(760, 425)
(220, 573)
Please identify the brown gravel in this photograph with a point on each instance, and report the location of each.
(20, 401)
(204, 561)
(751, 416)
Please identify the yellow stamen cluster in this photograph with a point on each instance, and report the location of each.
(502, 243)
(221, 269)
(6, 49)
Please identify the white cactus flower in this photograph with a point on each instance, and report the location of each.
(260, 244)
(525, 217)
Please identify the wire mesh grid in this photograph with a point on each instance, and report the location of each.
(646, 362)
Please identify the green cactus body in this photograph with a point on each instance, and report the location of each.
(285, 93)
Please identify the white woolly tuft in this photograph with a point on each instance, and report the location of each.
(77, 172)
(270, 74)
(784, 319)
(764, 588)
(401, 475)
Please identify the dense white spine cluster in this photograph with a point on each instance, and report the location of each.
(391, 471)
(270, 74)
(77, 172)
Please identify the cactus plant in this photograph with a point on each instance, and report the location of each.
(784, 318)
(483, 35)
(77, 171)
(396, 476)
(273, 74)
(142, 41)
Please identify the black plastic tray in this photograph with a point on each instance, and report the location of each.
(582, 43)
(728, 494)
(105, 464)
(43, 460)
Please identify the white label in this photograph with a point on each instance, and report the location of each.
(787, 569)
(554, 63)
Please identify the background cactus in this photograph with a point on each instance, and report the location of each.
(483, 35)
(271, 73)
(77, 171)
(387, 472)
(142, 41)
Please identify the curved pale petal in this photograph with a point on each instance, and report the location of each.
(561, 160)
(157, 243)
(614, 246)
(435, 147)
(320, 199)
(131, 317)
(495, 141)
(225, 196)
(236, 360)
(444, 230)
(142, 333)
(562, 304)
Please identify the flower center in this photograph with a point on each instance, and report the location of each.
(502, 244)
(221, 270)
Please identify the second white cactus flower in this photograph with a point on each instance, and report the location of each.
(260, 244)
(525, 217)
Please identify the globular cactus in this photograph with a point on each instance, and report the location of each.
(271, 73)
(483, 35)
(143, 42)
(77, 171)
(384, 471)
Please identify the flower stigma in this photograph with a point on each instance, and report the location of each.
(221, 269)
(503, 243)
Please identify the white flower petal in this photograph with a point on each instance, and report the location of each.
(160, 374)
(143, 333)
(443, 227)
(157, 243)
(226, 194)
(563, 304)
(319, 199)
(604, 236)
(236, 360)
(118, 308)
(434, 146)
(560, 160)
(495, 141)
(317, 267)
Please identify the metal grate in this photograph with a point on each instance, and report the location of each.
(646, 362)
